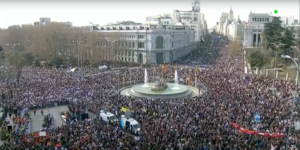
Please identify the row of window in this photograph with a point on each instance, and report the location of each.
(122, 59)
(122, 44)
(132, 36)
(260, 19)
(126, 53)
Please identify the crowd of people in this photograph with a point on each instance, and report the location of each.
(202, 122)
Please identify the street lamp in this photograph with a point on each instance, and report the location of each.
(13, 48)
(276, 45)
(112, 47)
(296, 89)
(79, 60)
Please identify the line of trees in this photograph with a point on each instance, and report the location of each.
(273, 34)
(54, 44)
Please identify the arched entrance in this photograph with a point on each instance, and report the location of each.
(140, 58)
(254, 40)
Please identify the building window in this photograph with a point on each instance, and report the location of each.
(172, 44)
(132, 59)
(159, 42)
(195, 18)
(132, 44)
(267, 19)
(141, 45)
(125, 44)
(140, 36)
(129, 44)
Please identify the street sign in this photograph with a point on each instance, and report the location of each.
(257, 117)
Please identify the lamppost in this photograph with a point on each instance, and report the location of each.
(297, 50)
(296, 89)
(276, 46)
(112, 48)
(13, 48)
(79, 61)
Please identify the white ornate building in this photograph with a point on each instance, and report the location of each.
(254, 28)
(191, 18)
(148, 43)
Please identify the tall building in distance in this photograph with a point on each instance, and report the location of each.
(44, 21)
(236, 30)
(231, 18)
(191, 18)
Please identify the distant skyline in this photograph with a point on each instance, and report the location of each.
(80, 12)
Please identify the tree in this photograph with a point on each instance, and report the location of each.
(57, 61)
(257, 59)
(234, 48)
(19, 60)
(272, 33)
(288, 41)
(1, 48)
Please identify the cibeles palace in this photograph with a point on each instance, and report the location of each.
(162, 39)
(143, 44)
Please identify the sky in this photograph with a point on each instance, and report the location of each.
(81, 12)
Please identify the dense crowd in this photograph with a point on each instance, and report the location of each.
(202, 122)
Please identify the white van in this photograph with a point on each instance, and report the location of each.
(108, 117)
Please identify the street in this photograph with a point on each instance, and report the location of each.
(37, 119)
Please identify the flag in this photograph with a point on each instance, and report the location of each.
(198, 71)
(124, 109)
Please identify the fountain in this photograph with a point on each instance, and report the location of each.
(146, 79)
(176, 81)
(160, 89)
(176, 77)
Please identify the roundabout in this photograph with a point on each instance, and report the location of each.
(173, 91)
(161, 89)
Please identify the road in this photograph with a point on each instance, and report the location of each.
(37, 119)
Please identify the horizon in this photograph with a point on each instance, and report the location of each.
(135, 10)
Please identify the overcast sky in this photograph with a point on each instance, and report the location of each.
(80, 12)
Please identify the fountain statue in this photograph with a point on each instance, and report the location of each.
(159, 85)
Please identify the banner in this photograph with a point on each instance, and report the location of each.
(265, 134)
(124, 109)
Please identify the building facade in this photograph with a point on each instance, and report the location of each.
(191, 18)
(254, 28)
(236, 30)
(148, 45)
(44, 21)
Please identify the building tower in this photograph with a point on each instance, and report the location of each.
(231, 15)
(196, 6)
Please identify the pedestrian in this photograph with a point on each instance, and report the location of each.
(42, 112)
(34, 111)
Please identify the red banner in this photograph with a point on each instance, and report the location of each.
(265, 134)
